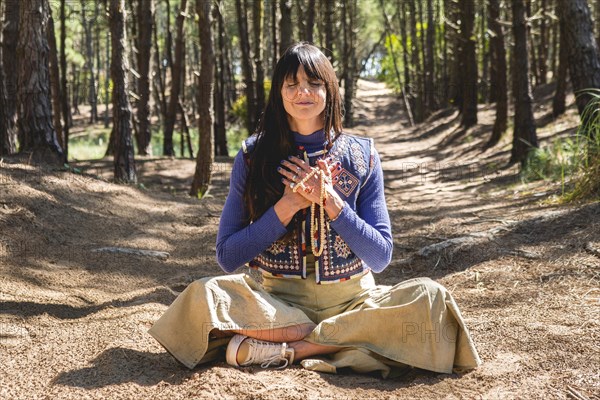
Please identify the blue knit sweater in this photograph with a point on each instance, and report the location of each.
(366, 229)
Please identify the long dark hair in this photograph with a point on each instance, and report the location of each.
(275, 141)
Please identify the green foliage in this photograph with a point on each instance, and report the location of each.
(588, 182)
(575, 159)
(239, 109)
(388, 71)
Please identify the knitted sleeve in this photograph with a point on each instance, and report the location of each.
(367, 230)
(238, 243)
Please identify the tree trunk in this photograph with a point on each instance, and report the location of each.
(285, 25)
(416, 63)
(205, 158)
(543, 50)
(221, 84)
(274, 45)
(106, 80)
(468, 64)
(65, 109)
(560, 96)
(145, 26)
(524, 138)
(8, 135)
(160, 93)
(430, 100)
(584, 64)
(258, 17)
(10, 35)
(89, 61)
(310, 21)
(247, 71)
(498, 69)
(171, 115)
(328, 27)
(54, 81)
(124, 165)
(34, 107)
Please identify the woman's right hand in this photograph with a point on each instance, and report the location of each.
(289, 204)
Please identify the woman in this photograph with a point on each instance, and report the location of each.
(306, 206)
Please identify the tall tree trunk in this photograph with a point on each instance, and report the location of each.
(258, 17)
(430, 100)
(328, 27)
(34, 107)
(54, 81)
(416, 63)
(560, 95)
(221, 84)
(350, 60)
(65, 109)
(274, 44)
(543, 50)
(310, 21)
(106, 80)
(160, 93)
(8, 134)
(205, 158)
(124, 165)
(171, 115)
(498, 66)
(89, 61)
(525, 137)
(145, 26)
(584, 64)
(401, 7)
(10, 35)
(531, 44)
(285, 25)
(468, 63)
(247, 71)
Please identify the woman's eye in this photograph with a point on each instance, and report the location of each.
(315, 84)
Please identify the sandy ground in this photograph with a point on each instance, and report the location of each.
(524, 270)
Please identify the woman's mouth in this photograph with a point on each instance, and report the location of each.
(304, 103)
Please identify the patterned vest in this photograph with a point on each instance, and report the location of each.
(337, 262)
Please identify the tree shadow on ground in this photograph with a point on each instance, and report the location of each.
(121, 365)
(64, 311)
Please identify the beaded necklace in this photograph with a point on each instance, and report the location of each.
(317, 248)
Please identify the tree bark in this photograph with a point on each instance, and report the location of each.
(221, 84)
(525, 137)
(8, 135)
(64, 100)
(89, 61)
(498, 69)
(145, 26)
(258, 17)
(543, 50)
(584, 61)
(560, 95)
(54, 81)
(247, 70)
(285, 25)
(205, 158)
(34, 107)
(310, 21)
(468, 64)
(416, 92)
(170, 117)
(328, 28)
(124, 165)
(430, 98)
(9, 60)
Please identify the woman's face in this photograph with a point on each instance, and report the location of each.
(304, 99)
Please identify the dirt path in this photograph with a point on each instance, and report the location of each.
(525, 273)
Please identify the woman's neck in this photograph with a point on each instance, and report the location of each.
(305, 127)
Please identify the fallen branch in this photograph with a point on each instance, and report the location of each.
(592, 249)
(136, 252)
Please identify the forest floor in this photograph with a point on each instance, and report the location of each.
(524, 270)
